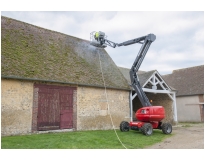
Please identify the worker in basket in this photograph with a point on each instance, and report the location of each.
(99, 36)
(96, 35)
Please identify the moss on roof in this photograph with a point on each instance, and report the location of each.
(142, 75)
(187, 81)
(28, 51)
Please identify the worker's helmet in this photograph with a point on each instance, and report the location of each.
(96, 39)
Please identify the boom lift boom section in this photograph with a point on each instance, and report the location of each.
(149, 117)
(102, 42)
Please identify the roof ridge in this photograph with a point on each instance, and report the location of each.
(129, 69)
(186, 68)
(144, 72)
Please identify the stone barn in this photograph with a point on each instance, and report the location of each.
(53, 81)
(189, 83)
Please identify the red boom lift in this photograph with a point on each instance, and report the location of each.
(149, 117)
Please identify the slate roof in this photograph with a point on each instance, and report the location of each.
(32, 52)
(187, 81)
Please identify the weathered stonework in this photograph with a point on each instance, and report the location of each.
(165, 101)
(90, 108)
(93, 112)
(16, 107)
(19, 107)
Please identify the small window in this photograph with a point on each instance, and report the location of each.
(143, 111)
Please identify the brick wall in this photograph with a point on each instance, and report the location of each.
(16, 107)
(93, 111)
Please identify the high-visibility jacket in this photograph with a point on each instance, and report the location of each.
(96, 34)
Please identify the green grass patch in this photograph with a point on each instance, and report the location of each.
(83, 140)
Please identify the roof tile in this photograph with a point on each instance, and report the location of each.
(187, 81)
(29, 51)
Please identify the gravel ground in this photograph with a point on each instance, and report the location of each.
(185, 136)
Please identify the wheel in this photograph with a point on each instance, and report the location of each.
(124, 126)
(147, 129)
(166, 128)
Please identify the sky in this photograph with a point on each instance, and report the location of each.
(179, 34)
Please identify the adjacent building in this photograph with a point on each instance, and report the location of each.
(189, 83)
(158, 92)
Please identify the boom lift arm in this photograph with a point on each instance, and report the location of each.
(146, 42)
(149, 117)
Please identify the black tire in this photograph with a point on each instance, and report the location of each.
(166, 128)
(147, 129)
(124, 126)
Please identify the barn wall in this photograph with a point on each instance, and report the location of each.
(90, 112)
(157, 100)
(201, 100)
(92, 108)
(188, 109)
(165, 101)
(16, 106)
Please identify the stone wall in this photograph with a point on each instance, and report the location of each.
(92, 108)
(16, 107)
(165, 101)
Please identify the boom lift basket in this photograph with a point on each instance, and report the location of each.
(94, 42)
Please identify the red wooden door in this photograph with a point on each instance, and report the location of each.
(66, 119)
(66, 105)
(55, 107)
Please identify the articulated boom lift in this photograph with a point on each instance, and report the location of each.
(149, 117)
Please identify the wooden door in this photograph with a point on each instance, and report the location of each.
(66, 105)
(55, 107)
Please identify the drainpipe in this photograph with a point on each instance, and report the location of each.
(131, 107)
(175, 107)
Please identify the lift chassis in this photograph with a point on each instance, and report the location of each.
(149, 117)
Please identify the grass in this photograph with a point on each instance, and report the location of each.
(83, 140)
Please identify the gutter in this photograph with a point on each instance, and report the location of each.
(54, 81)
(195, 94)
